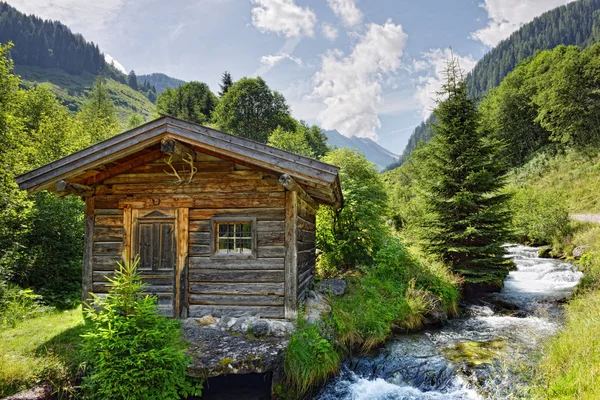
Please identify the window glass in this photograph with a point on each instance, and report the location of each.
(234, 238)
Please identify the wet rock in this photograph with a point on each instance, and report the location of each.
(219, 352)
(334, 286)
(260, 328)
(243, 324)
(545, 252)
(281, 328)
(579, 251)
(42, 391)
(206, 320)
(437, 315)
(316, 305)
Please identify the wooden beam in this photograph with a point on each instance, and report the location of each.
(120, 168)
(182, 237)
(66, 187)
(173, 147)
(291, 256)
(88, 251)
(290, 184)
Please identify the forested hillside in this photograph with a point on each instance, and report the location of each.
(577, 23)
(160, 81)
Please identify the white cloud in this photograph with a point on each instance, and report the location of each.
(506, 16)
(283, 17)
(347, 11)
(110, 60)
(269, 61)
(329, 31)
(350, 86)
(87, 16)
(436, 59)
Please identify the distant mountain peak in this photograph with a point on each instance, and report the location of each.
(374, 152)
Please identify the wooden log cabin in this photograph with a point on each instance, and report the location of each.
(222, 225)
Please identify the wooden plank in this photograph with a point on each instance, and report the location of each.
(307, 214)
(215, 275)
(303, 246)
(261, 213)
(207, 201)
(182, 256)
(237, 264)
(305, 236)
(306, 225)
(270, 226)
(270, 252)
(199, 237)
(270, 238)
(109, 202)
(108, 248)
(199, 250)
(88, 251)
(197, 311)
(291, 277)
(105, 211)
(231, 186)
(125, 166)
(106, 263)
(259, 289)
(128, 255)
(108, 220)
(232, 300)
(108, 234)
(199, 226)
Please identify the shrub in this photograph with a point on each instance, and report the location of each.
(310, 359)
(539, 217)
(133, 351)
(18, 304)
(352, 235)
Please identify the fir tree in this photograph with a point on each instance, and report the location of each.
(226, 82)
(132, 80)
(466, 222)
(98, 114)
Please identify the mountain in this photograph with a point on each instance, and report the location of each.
(372, 151)
(47, 53)
(576, 23)
(160, 81)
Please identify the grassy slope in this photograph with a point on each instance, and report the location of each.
(570, 365)
(72, 90)
(40, 348)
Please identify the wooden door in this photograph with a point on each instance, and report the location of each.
(155, 242)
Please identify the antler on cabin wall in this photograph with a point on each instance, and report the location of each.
(187, 159)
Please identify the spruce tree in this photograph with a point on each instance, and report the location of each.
(226, 82)
(98, 115)
(132, 80)
(466, 221)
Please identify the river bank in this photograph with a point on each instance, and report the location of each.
(467, 359)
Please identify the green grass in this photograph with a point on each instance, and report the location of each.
(42, 348)
(72, 91)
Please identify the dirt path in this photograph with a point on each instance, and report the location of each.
(586, 217)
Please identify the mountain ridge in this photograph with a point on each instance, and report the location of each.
(374, 152)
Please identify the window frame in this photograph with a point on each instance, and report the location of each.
(214, 237)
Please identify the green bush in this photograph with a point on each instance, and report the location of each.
(539, 217)
(310, 359)
(132, 351)
(18, 304)
(352, 235)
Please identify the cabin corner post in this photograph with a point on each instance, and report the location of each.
(88, 250)
(182, 257)
(291, 255)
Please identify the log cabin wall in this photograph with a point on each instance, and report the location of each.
(205, 284)
(306, 248)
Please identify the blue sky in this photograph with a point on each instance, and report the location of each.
(367, 68)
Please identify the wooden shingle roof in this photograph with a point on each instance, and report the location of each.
(318, 179)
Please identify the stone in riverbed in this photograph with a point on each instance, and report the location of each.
(578, 252)
(206, 320)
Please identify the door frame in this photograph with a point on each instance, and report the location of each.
(130, 216)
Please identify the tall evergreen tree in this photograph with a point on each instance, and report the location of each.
(466, 222)
(226, 83)
(132, 80)
(98, 115)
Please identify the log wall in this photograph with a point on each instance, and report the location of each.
(305, 237)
